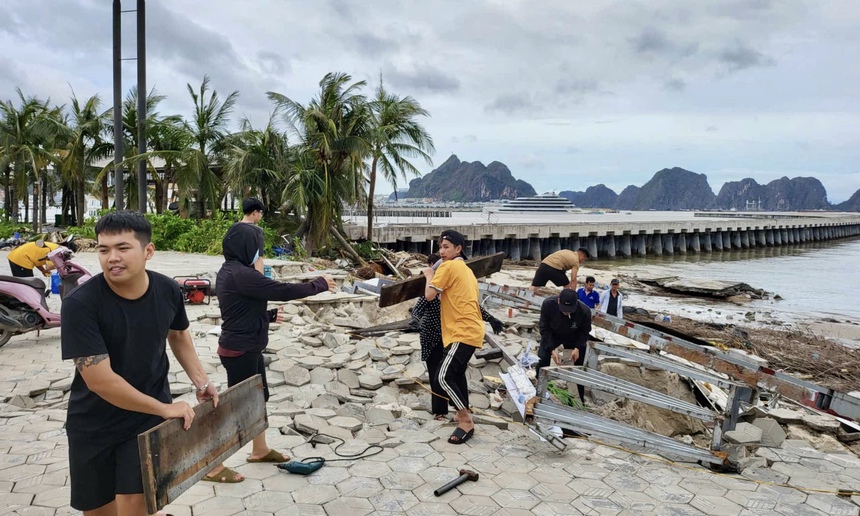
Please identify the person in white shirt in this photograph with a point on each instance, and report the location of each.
(611, 300)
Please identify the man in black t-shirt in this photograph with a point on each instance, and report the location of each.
(564, 321)
(114, 328)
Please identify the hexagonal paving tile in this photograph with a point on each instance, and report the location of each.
(716, 505)
(315, 495)
(635, 501)
(369, 469)
(485, 486)
(223, 506)
(437, 475)
(349, 506)
(555, 508)
(408, 464)
(394, 500)
(401, 481)
(830, 504)
(669, 494)
(597, 505)
(703, 486)
(330, 475)
(240, 490)
(517, 480)
(561, 492)
(475, 505)
(583, 486)
(269, 501)
(790, 509)
(516, 499)
(360, 487)
(753, 500)
(196, 494)
(430, 509)
(625, 482)
(285, 482)
(419, 450)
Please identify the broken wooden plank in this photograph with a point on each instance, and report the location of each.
(385, 328)
(173, 459)
(414, 286)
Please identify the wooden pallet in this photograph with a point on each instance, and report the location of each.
(173, 459)
(414, 286)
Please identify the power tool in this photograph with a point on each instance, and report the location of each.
(304, 467)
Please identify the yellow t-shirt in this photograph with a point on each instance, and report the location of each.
(461, 313)
(562, 260)
(29, 255)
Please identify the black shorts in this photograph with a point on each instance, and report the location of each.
(99, 472)
(546, 273)
(243, 367)
(20, 272)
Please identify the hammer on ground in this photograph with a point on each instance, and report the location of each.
(465, 474)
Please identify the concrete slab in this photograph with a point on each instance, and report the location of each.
(744, 433)
(772, 435)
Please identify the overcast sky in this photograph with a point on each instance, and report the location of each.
(567, 93)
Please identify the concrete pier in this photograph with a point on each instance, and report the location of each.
(623, 238)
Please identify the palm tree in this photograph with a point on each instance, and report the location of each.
(394, 135)
(256, 163)
(329, 157)
(86, 145)
(208, 128)
(30, 135)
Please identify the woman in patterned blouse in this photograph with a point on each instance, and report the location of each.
(427, 313)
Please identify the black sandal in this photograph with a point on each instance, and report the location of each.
(460, 436)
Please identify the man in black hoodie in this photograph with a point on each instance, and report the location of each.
(242, 295)
(564, 321)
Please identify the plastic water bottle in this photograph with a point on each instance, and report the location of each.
(55, 282)
(267, 271)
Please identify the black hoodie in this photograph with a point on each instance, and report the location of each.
(243, 292)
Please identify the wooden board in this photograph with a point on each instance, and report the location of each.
(172, 459)
(414, 286)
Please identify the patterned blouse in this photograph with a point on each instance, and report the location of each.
(428, 314)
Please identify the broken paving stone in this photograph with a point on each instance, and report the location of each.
(377, 416)
(310, 362)
(178, 389)
(297, 376)
(24, 402)
(377, 355)
(348, 423)
(327, 432)
(479, 401)
(752, 462)
(337, 389)
(334, 340)
(356, 366)
(322, 353)
(321, 375)
(403, 424)
(326, 401)
(288, 408)
(785, 416)
(772, 435)
(361, 354)
(399, 360)
(348, 378)
(308, 424)
(821, 423)
(401, 350)
(310, 341)
(355, 410)
(321, 413)
(370, 381)
(744, 433)
(338, 361)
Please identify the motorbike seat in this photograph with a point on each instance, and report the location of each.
(35, 283)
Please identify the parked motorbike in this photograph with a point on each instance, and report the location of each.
(23, 305)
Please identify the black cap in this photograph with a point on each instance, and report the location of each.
(585, 252)
(456, 238)
(614, 281)
(567, 300)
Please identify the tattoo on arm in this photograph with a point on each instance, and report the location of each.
(82, 363)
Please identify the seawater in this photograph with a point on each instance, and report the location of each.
(815, 279)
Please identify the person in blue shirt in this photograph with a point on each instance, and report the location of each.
(587, 294)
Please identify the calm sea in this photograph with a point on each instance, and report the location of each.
(819, 279)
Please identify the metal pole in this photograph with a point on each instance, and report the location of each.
(117, 102)
(141, 103)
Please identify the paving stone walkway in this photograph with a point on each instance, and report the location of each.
(519, 475)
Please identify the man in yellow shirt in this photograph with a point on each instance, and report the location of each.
(553, 268)
(34, 255)
(462, 325)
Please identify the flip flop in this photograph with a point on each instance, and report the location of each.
(460, 436)
(225, 476)
(272, 456)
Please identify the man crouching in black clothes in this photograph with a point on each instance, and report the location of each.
(564, 321)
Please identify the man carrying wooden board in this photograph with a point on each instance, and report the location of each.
(114, 328)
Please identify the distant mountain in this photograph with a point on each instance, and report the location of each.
(675, 189)
(400, 193)
(593, 197)
(461, 181)
(734, 195)
(627, 198)
(852, 204)
(798, 193)
(783, 194)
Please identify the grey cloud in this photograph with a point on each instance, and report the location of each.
(273, 62)
(711, 129)
(369, 44)
(427, 78)
(650, 40)
(510, 103)
(675, 85)
(740, 57)
(577, 86)
(342, 9)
